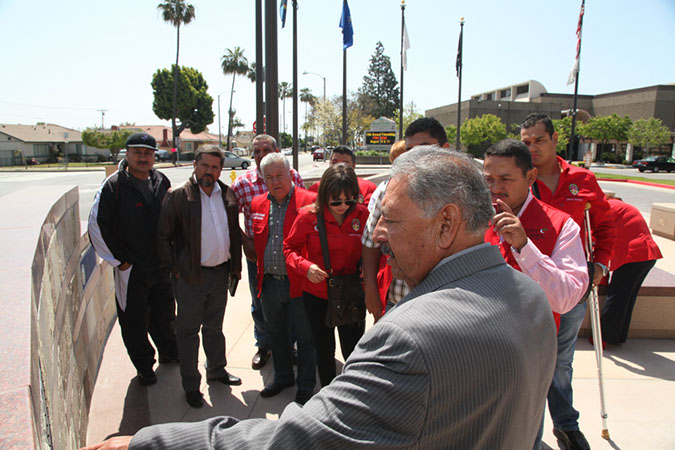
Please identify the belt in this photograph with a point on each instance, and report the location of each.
(218, 267)
(276, 277)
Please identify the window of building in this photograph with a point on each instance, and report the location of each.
(505, 93)
(524, 89)
(41, 149)
(490, 96)
(188, 146)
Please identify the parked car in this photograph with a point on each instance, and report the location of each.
(319, 155)
(239, 151)
(287, 151)
(121, 155)
(655, 163)
(162, 155)
(232, 161)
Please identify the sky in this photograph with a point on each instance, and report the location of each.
(64, 61)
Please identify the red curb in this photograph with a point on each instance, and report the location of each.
(645, 183)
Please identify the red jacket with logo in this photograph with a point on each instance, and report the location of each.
(260, 212)
(543, 225)
(302, 247)
(576, 187)
(366, 187)
(634, 243)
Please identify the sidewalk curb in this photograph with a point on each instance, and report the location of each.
(644, 183)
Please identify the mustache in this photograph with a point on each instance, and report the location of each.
(386, 250)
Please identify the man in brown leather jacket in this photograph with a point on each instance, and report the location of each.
(198, 240)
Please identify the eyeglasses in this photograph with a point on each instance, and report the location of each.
(346, 202)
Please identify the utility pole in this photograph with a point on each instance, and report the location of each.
(102, 111)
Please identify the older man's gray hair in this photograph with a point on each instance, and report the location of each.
(437, 177)
(274, 158)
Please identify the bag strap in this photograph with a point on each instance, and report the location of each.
(321, 225)
(535, 190)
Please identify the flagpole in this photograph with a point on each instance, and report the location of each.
(344, 96)
(271, 73)
(571, 149)
(259, 67)
(459, 74)
(295, 84)
(400, 110)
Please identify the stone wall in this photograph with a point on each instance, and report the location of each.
(59, 307)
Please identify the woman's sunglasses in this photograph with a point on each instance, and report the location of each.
(346, 202)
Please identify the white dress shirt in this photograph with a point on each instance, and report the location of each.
(215, 239)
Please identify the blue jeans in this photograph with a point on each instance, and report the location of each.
(560, 396)
(259, 332)
(282, 312)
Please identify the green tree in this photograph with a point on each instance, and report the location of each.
(606, 128)
(564, 129)
(233, 62)
(451, 133)
(177, 13)
(112, 140)
(379, 96)
(194, 107)
(479, 133)
(285, 91)
(328, 116)
(307, 98)
(410, 114)
(648, 134)
(285, 140)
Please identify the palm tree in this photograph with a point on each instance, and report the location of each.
(307, 98)
(285, 91)
(176, 12)
(233, 62)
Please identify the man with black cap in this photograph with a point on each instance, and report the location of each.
(122, 229)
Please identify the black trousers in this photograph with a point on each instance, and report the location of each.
(324, 337)
(150, 309)
(622, 293)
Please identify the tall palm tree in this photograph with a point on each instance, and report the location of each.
(307, 98)
(285, 91)
(233, 62)
(177, 13)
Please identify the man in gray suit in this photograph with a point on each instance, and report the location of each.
(463, 361)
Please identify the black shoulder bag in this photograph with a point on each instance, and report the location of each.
(346, 299)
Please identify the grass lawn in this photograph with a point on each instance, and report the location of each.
(627, 177)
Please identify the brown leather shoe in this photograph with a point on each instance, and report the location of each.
(260, 358)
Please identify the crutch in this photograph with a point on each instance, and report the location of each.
(595, 324)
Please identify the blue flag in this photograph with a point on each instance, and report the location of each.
(282, 12)
(346, 25)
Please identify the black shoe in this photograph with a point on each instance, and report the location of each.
(228, 379)
(260, 358)
(571, 440)
(301, 397)
(168, 359)
(195, 399)
(273, 389)
(147, 378)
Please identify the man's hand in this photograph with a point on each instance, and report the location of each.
(237, 275)
(373, 304)
(597, 274)
(508, 226)
(315, 274)
(124, 266)
(115, 443)
(249, 248)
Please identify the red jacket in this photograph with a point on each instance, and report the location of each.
(576, 187)
(543, 225)
(260, 212)
(302, 247)
(366, 187)
(634, 243)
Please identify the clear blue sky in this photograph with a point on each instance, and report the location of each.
(63, 60)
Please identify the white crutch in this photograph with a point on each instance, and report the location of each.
(595, 324)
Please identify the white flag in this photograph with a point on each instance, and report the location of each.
(575, 68)
(405, 47)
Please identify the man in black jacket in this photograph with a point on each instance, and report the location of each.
(122, 229)
(198, 240)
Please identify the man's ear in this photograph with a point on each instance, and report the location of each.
(450, 218)
(554, 137)
(531, 176)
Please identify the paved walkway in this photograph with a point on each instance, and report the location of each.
(639, 384)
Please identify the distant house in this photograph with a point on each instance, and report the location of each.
(187, 141)
(41, 142)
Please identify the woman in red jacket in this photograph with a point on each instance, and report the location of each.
(344, 219)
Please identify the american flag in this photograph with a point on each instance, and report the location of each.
(575, 68)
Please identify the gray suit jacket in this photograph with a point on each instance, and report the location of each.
(464, 361)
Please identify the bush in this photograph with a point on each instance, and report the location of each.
(610, 157)
(372, 153)
(74, 157)
(187, 156)
(101, 158)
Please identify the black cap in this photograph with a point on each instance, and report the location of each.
(141, 139)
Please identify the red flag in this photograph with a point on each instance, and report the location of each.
(575, 68)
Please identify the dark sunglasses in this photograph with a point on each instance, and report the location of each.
(346, 202)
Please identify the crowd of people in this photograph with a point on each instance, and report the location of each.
(469, 270)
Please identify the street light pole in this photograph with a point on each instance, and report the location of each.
(324, 90)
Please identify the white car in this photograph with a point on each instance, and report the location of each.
(232, 161)
(287, 151)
